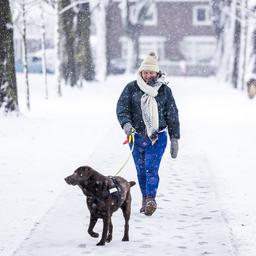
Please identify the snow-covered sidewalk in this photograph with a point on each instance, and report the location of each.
(188, 220)
(206, 199)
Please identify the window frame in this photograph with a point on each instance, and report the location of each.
(152, 10)
(191, 46)
(207, 21)
(157, 44)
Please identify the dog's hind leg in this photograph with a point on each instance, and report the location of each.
(93, 222)
(110, 232)
(126, 208)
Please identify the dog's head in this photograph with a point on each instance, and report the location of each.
(80, 176)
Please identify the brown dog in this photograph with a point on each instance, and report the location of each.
(105, 194)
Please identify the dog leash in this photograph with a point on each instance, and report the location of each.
(130, 140)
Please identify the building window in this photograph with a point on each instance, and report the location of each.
(198, 48)
(201, 16)
(152, 43)
(150, 18)
(146, 45)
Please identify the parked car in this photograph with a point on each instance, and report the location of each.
(35, 62)
(117, 66)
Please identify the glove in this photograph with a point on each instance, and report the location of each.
(128, 129)
(174, 147)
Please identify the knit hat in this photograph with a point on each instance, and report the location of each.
(149, 63)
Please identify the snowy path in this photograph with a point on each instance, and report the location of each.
(217, 157)
(188, 220)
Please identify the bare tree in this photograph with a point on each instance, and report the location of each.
(235, 20)
(8, 87)
(100, 14)
(84, 59)
(43, 49)
(252, 39)
(237, 48)
(133, 23)
(218, 19)
(73, 50)
(21, 24)
(254, 52)
(109, 22)
(67, 31)
(57, 72)
(25, 52)
(244, 44)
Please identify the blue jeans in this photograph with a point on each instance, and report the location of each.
(147, 158)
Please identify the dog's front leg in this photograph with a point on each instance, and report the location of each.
(93, 221)
(106, 221)
(110, 231)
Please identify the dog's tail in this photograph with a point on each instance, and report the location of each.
(132, 183)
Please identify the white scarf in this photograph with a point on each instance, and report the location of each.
(149, 107)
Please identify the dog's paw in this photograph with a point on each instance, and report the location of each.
(109, 239)
(125, 239)
(94, 234)
(100, 243)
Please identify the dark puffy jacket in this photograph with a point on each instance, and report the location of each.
(129, 109)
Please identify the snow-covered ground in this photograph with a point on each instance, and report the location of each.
(206, 196)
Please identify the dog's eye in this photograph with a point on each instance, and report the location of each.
(81, 175)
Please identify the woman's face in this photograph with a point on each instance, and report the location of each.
(147, 75)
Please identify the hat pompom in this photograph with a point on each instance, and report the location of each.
(150, 63)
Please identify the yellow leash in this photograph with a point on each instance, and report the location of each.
(130, 139)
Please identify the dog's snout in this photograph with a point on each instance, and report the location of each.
(68, 179)
(72, 180)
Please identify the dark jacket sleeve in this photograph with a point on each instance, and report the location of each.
(172, 116)
(123, 107)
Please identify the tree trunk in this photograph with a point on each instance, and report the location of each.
(57, 70)
(43, 51)
(8, 87)
(109, 22)
(25, 53)
(219, 20)
(252, 68)
(101, 62)
(237, 38)
(229, 32)
(67, 29)
(254, 52)
(83, 44)
(78, 47)
(236, 59)
(136, 45)
(244, 37)
(133, 29)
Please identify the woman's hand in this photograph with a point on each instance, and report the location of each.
(128, 129)
(174, 147)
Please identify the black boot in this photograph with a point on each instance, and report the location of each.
(150, 206)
